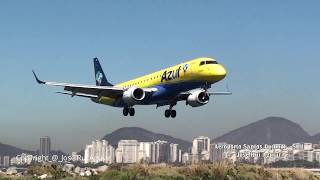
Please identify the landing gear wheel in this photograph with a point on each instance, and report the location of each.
(125, 111)
(131, 111)
(167, 113)
(173, 113)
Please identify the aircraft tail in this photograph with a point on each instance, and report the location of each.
(101, 79)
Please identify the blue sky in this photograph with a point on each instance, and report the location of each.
(270, 49)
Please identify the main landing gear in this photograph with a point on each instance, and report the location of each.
(170, 112)
(128, 110)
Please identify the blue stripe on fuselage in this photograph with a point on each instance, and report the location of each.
(165, 93)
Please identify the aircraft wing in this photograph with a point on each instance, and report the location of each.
(85, 90)
(184, 95)
(89, 91)
(219, 93)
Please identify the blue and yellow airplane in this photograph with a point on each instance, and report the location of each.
(187, 81)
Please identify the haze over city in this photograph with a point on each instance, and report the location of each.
(270, 50)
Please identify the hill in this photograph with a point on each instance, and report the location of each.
(271, 130)
(7, 150)
(314, 139)
(143, 135)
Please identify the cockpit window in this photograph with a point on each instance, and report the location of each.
(211, 62)
(208, 62)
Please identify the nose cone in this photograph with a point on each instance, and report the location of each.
(219, 72)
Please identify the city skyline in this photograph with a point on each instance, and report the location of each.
(199, 145)
(271, 58)
(159, 151)
(44, 147)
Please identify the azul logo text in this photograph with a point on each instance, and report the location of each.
(170, 75)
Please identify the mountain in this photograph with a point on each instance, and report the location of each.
(314, 139)
(142, 135)
(7, 150)
(271, 130)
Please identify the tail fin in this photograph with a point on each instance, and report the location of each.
(101, 79)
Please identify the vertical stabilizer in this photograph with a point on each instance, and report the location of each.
(101, 79)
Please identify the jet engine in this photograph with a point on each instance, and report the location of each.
(198, 98)
(133, 95)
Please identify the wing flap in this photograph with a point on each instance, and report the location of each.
(78, 94)
(219, 93)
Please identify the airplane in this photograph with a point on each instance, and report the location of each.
(188, 81)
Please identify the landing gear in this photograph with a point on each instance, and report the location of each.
(173, 113)
(125, 111)
(170, 112)
(132, 111)
(167, 113)
(128, 110)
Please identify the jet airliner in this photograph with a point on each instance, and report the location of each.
(188, 81)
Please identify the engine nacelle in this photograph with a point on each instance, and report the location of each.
(133, 95)
(198, 98)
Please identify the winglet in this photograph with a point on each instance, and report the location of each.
(37, 79)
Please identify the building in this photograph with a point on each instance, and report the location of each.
(22, 159)
(316, 155)
(173, 153)
(76, 157)
(99, 151)
(144, 154)
(160, 152)
(154, 152)
(217, 152)
(308, 155)
(45, 146)
(186, 158)
(87, 154)
(6, 161)
(307, 146)
(272, 155)
(201, 149)
(302, 146)
(127, 151)
(200, 144)
(164, 151)
(302, 151)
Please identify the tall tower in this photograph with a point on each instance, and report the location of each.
(45, 146)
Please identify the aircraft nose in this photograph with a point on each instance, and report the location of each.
(219, 71)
